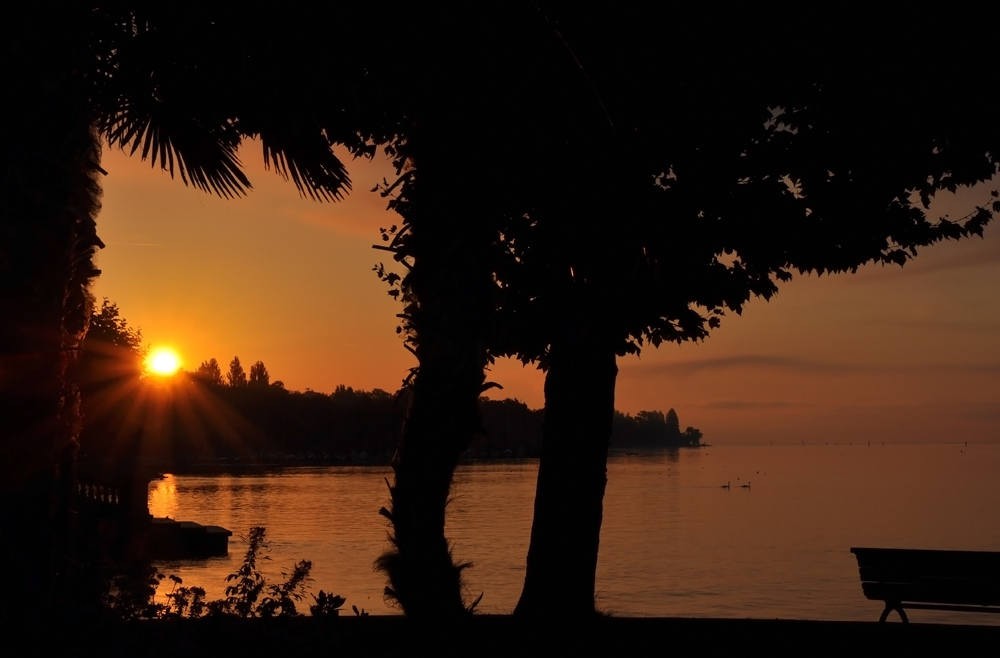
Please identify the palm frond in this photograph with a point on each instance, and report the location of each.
(308, 160)
(204, 155)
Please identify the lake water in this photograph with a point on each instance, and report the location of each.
(674, 541)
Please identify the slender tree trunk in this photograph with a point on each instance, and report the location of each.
(572, 474)
(439, 427)
(50, 164)
(449, 292)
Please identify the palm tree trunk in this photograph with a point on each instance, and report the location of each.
(572, 475)
(50, 197)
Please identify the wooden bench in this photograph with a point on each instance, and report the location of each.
(962, 581)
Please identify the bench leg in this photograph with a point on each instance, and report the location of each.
(889, 607)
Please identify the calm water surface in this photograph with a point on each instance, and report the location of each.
(674, 542)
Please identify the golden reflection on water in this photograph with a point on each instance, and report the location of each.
(674, 541)
(163, 497)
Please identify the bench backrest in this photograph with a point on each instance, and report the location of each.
(956, 577)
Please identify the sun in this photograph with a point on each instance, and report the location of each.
(163, 361)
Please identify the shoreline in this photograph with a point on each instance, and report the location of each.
(502, 635)
(229, 466)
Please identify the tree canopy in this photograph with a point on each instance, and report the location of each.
(259, 375)
(656, 203)
(112, 352)
(107, 326)
(210, 372)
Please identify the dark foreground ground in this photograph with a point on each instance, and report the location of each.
(504, 636)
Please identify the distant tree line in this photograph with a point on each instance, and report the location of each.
(211, 416)
(210, 372)
(511, 428)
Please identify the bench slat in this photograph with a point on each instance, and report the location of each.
(972, 595)
(901, 575)
(926, 560)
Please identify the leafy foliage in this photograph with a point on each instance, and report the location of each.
(131, 596)
(327, 605)
(249, 595)
(108, 326)
(248, 581)
(650, 207)
(189, 111)
(281, 598)
(185, 601)
(112, 349)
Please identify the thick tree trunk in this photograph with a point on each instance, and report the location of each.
(50, 195)
(572, 474)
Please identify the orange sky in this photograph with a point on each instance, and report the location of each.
(883, 355)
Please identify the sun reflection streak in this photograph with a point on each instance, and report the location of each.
(163, 497)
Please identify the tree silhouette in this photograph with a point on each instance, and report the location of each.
(210, 372)
(467, 84)
(673, 423)
(236, 377)
(108, 327)
(630, 206)
(693, 197)
(108, 373)
(258, 375)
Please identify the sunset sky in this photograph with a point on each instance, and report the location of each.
(888, 354)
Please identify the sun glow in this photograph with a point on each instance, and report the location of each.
(163, 361)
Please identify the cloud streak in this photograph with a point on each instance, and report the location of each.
(745, 362)
(774, 363)
(745, 405)
(941, 326)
